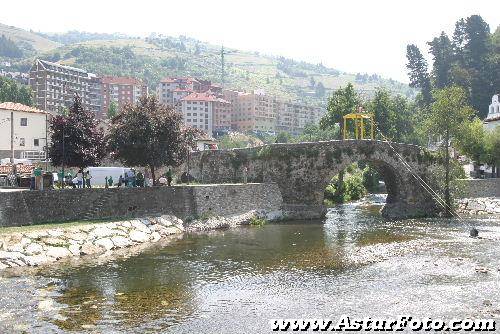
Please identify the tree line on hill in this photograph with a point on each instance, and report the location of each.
(9, 49)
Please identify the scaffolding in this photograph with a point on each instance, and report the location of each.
(359, 125)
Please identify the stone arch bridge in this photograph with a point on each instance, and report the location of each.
(302, 171)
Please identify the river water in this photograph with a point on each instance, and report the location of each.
(234, 281)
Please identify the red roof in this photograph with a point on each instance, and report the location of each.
(181, 80)
(200, 97)
(20, 107)
(182, 90)
(121, 80)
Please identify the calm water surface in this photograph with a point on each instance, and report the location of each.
(234, 281)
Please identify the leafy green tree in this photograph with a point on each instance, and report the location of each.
(283, 137)
(449, 116)
(492, 147)
(418, 73)
(342, 102)
(11, 91)
(150, 134)
(313, 132)
(76, 140)
(471, 140)
(112, 110)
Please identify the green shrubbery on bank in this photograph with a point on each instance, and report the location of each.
(359, 180)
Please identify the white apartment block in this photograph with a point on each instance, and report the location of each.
(197, 111)
(54, 87)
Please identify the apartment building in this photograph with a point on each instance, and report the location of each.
(54, 86)
(171, 91)
(197, 111)
(260, 112)
(30, 131)
(121, 90)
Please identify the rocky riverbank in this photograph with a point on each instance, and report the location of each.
(479, 206)
(49, 245)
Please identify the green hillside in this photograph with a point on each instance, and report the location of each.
(156, 57)
(26, 40)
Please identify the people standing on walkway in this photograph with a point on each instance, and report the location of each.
(169, 176)
(120, 181)
(32, 180)
(110, 181)
(79, 179)
(88, 177)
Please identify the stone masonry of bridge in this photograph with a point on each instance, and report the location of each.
(302, 171)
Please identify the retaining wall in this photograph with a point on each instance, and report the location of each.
(479, 188)
(34, 207)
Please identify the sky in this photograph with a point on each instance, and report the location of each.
(350, 35)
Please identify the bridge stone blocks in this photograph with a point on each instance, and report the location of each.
(302, 171)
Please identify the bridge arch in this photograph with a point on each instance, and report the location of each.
(302, 171)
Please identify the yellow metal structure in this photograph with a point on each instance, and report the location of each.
(359, 125)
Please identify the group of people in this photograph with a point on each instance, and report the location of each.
(130, 179)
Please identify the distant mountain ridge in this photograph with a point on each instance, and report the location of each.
(159, 56)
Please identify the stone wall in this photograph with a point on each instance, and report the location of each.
(479, 206)
(34, 207)
(471, 188)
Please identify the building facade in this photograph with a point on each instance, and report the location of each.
(55, 86)
(170, 91)
(493, 119)
(197, 111)
(264, 113)
(122, 91)
(30, 131)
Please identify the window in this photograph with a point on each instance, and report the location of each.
(21, 142)
(189, 114)
(24, 122)
(36, 142)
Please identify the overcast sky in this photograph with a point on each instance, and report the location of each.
(350, 35)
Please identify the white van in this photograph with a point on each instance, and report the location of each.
(99, 174)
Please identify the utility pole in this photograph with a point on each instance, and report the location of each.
(222, 66)
(12, 138)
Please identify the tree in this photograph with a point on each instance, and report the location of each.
(9, 49)
(150, 134)
(283, 137)
(442, 52)
(492, 147)
(471, 141)
(418, 73)
(449, 115)
(112, 110)
(320, 89)
(76, 140)
(11, 91)
(342, 102)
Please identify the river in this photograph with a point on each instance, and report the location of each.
(234, 281)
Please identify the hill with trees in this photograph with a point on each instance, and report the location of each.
(158, 56)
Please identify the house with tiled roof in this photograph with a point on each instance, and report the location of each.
(29, 138)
